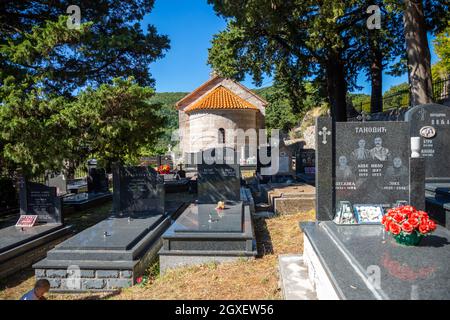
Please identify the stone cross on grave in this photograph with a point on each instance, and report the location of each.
(324, 133)
(422, 114)
(364, 116)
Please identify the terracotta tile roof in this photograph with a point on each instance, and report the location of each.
(210, 83)
(221, 98)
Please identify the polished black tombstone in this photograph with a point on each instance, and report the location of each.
(218, 182)
(174, 183)
(96, 187)
(41, 200)
(204, 232)
(219, 176)
(372, 163)
(22, 246)
(363, 262)
(431, 122)
(114, 252)
(137, 191)
(305, 165)
(8, 196)
(369, 163)
(97, 181)
(365, 164)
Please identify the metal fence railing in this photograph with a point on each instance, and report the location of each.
(441, 90)
(402, 99)
(398, 100)
(80, 172)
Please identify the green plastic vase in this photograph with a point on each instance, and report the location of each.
(412, 239)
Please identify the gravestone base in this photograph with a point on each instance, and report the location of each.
(306, 178)
(195, 239)
(176, 186)
(83, 201)
(172, 261)
(289, 199)
(106, 262)
(247, 198)
(295, 284)
(363, 262)
(293, 205)
(20, 249)
(438, 202)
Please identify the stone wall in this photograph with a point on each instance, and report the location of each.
(89, 280)
(309, 137)
(204, 126)
(26, 259)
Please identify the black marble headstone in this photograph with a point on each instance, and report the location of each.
(372, 162)
(218, 182)
(41, 200)
(97, 181)
(431, 122)
(306, 161)
(138, 191)
(8, 195)
(219, 176)
(325, 160)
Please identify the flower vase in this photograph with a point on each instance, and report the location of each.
(412, 239)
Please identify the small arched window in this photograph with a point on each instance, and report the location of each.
(221, 135)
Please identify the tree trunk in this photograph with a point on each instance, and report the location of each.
(418, 52)
(376, 77)
(337, 88)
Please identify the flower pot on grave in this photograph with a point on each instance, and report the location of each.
(412, 239)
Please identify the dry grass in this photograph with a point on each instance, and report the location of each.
(16, 285)
(253, 279)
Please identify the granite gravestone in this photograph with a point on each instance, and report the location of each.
(8, 195)
(219, 177)
(306, 161)
(372, 163)
(97, 181)
(41, 200)
(431, 122)
(206, 218)
(59, 182)
(138, 191)
(284, 160)
(365, 167)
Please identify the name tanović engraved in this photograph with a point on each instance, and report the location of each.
(370, 130)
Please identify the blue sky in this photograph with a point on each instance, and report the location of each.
(190, 25)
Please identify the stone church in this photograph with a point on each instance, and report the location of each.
(209, 116)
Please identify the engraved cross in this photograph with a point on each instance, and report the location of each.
(363, 116)
(422, 114)
(324, 133)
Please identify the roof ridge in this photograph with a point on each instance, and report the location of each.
(206, 83)
(221, 97)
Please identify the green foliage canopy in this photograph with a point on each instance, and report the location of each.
(67, 94)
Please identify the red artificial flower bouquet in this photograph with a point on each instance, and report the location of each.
(407, 224)
(163, 169)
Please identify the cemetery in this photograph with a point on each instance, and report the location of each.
(347, 253)
(96, 189)
(25, 243)
(312, 164)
